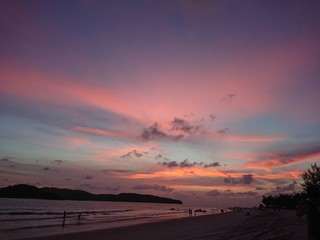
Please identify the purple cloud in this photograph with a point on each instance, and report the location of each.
(214, 193)
(179, 124)
(246, 179)
(170, 164)
(214, 164)
(223, 131)
(212, 117)
(154, 132)
(134, 153)
(289, 187)
(58, 162)
(185, 163)
(228, 97)
(88, 177)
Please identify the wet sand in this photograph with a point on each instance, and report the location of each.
(259, 225)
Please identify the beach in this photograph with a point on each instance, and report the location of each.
(262, 225)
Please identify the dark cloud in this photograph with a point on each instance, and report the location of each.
(46, 168)
(289, 187)
(228, 97)
(228, 193)
(154, 132)
(179, 124)
(5, 160)
(160, 156)
(170, 164)
(126, 155)
(223, 131)
(184, 164)
(57, 162)
(214, 164)
(191, 114)
(152, 187)
(246, 179)
(134, 153)
(260, 188)
(212, 117)
(214, 193)
(88, 177)
(230, 180)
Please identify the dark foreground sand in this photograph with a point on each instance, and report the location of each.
(258, 225)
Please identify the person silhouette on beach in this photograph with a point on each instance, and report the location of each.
(79, 216)
(64, 218)
(311, 208)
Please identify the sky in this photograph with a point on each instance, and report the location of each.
(215, 103)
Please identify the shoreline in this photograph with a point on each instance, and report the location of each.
(33, 218)
(266, 224)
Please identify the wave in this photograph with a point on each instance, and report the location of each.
(61, 213)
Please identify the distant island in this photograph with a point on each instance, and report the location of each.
(28, 191)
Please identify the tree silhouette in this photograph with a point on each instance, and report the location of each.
(311, 178)
(311, 186)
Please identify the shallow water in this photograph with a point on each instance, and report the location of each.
(21, 218)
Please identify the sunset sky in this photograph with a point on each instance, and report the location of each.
(215, 103)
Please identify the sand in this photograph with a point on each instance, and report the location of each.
(264, 225)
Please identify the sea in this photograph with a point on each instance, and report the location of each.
(27, 218)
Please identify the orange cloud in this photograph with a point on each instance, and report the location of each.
(253, 138)
(190, 172)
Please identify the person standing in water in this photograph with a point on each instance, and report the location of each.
(64, 218)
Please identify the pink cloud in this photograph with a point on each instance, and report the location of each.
(76, 142)
(61, 90)
(252, 77)
(279, 160)
(175, 92)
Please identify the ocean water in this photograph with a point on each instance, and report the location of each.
(22, 218)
